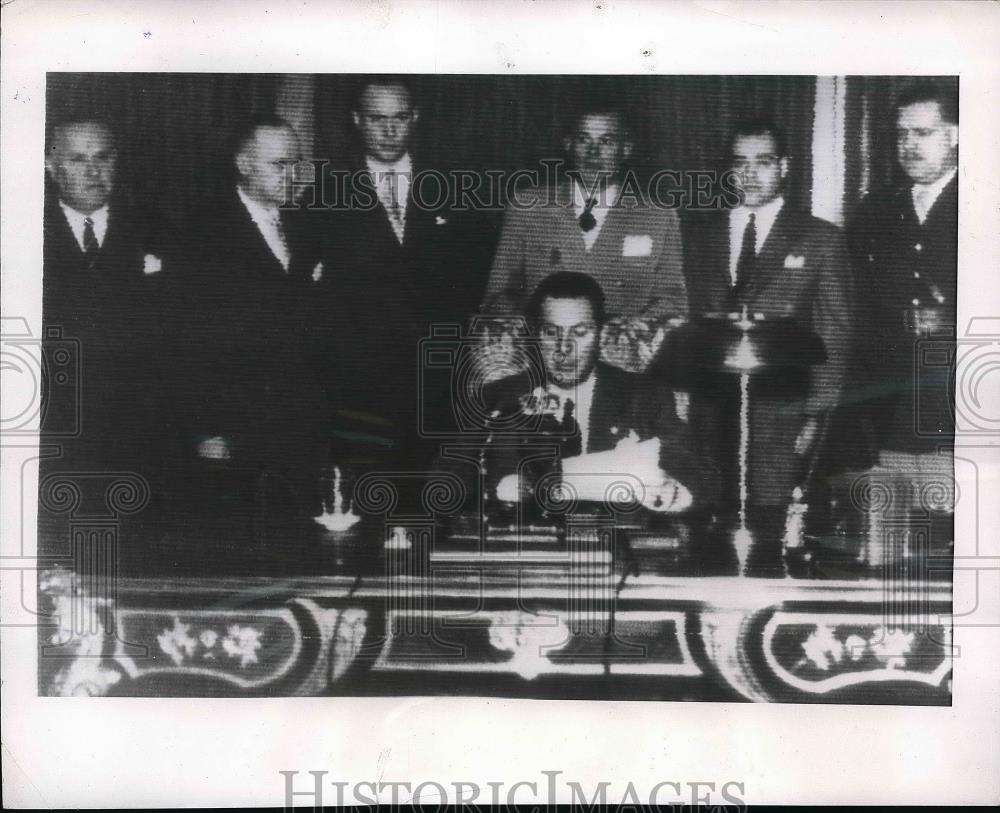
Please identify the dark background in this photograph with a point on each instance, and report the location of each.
(173, 127)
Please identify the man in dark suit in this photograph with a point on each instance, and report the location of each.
(399, 261)
(779, 262)
(249, 363)
(103, 284)
(104, 290)
(597, 227)
(903, 242)
(585, 406)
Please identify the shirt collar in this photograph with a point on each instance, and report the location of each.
(98, 216)
(764, 216)
(404, 166)
(258, 211)
(578, 392)
(769, 211)
(605, 198)
(933, 190)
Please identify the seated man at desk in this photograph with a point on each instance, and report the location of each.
(603, 425)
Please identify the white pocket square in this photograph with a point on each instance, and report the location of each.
(440, 221)
(794, 261)
(151, 264)
(317, 274)
(637, 245)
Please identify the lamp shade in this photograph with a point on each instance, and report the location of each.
(734, 343)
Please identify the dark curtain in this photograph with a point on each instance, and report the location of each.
(171, 128)
(510, 122)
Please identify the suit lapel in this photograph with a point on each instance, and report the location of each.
(904, 204)
(943, 213)
(379, 217)
(59, 239)
(254, 241)
(612, 233)
(777, 246)
(416, 223)
(112, 258)
(568, 227)
(559, 233)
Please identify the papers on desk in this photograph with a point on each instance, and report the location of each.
(628, 474)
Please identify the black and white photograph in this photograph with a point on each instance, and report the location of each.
(473, 385)
(642, 389)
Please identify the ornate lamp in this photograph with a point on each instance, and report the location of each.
(744, 345)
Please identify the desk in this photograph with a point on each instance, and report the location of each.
(633, 628)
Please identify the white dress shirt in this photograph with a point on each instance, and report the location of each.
(925, 195)
(76, 220)
(764, 217)
(582, 396)
(605, 201)
(268, 222)
(392, 182)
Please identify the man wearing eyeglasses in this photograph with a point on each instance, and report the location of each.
(776, 261)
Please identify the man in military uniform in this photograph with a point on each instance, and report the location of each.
(904, 246)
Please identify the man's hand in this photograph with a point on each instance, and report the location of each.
(807, 436)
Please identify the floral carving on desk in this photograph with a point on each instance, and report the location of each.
(244, 648)
(239, 643)
(528, 638)
(818, 655)
(824, 651)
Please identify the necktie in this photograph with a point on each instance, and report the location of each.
(587, 220)
(571, 428)
(390, 199)
(90, 245)
(748, 255)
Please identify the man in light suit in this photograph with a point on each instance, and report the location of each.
(779, 262)
(586, 224)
